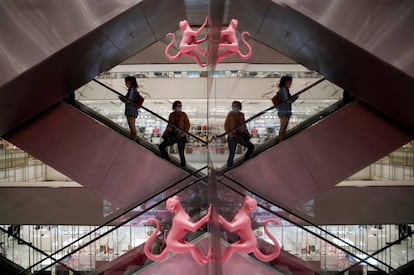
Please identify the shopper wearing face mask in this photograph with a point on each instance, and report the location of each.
(173, 135)
(235, 119)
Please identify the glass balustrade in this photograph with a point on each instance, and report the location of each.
(21, 251)
(128, 232)
(333, 247)
(18, 166)
(276, 74)
(323, 248)
(396, 166)
(316, 101)
(61, 240)
(150, 126)
(262, 128)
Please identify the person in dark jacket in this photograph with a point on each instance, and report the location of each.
(131, 110)
(234, 119)
(173, 135)
(285, 108)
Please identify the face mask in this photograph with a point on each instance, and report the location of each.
(234, 109)
(178, 109)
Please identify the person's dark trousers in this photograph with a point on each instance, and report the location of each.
(171, 141)
(164, 144)
(181, 147)
(249, 146)
(232, 148)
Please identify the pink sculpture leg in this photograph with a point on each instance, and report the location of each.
(229, 44)
(181, 224)
(241, 224)
(189, 44)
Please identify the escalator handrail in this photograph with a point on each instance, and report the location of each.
(108, 122)
(370, 256)
(272, 107)
(21, 241)
(300, 127)
(149, 111)
(116, 127)
(119, 215)
(303, 219)
(121, 224)
(289, 133)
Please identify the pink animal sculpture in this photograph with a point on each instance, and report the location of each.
(241, 224)
(189, 44)
(229, 44)
(181, 224)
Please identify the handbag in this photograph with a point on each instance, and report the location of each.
(171, 137)
(139, 101)
(246, 136)
(276, 100)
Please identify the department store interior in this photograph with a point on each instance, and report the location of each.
(77, 191)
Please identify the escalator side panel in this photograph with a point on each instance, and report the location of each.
(135, 33)
(376, 26)
(77, 61)
(367, 205)
(32, 31)
(140, 172)
(348, 65)
(8, 267)
(247, 14)
(94, 155)
(50, 205)
(71, 143)
(373, 81)
(26, 96)
(348, 141)
(275, 174)
(321, 156)
(164, 15)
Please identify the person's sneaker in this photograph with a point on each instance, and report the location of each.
(229, 164)
(183, 164)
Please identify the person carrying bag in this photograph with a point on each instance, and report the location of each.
(176, 134)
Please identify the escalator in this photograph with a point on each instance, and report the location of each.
(106, 34)
(307, 249)
(363, 47)
(97, 156)
(290, 173)
(116, 246)
(141, 141)
(353, 137)
(308, 119)
(57, 47)
(310, 255)
(321, 154)
(297, 41)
